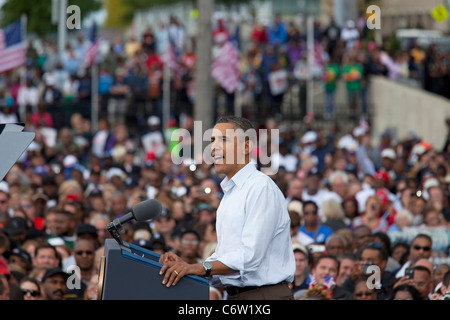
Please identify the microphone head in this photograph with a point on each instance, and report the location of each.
(146, 210)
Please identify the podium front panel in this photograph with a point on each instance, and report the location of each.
(132, 273)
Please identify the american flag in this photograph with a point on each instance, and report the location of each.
(169, 58)
(93, 48)
(225, 68)
(319, 59)
(13, 46)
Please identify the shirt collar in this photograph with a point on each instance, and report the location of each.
(239, 178)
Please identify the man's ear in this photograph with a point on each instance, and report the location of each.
(249, 147)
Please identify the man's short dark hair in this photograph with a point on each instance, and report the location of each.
(46, 245)
(375, 246)
(305, 203)
(423, 236)
(190, 231)
(423, 268)
(329, 256)
(241, 123)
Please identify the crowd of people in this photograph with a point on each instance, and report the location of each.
(352, 204)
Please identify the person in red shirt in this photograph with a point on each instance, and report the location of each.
(42, 118)
(220, 34)
(260, 34)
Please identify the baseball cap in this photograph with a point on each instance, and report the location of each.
(382, 175)
(17, 225)
(86, 228)
(153, 121)
(143, 243)
(20, 253)
(298, 247)
(52, 272)
(383, 196)
(388, 153)
(430, 183)
(309, 137)
(204, 206)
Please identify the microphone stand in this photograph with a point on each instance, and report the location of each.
(114, 228)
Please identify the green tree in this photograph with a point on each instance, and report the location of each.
(120, 12)
(39, 13)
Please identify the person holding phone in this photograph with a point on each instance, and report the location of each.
(421, 247)
(371, 264)
(371, 216)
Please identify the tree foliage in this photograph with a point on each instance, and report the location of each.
(120, 12)
(39, 13)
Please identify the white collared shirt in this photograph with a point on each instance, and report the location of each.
(253, 231)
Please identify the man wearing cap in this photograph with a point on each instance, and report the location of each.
(89, 232)
(20, 258)
(54, 283)
(18, 228)
(254, 258)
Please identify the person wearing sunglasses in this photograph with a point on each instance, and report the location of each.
(421, 247)
(30, 289)
(84, 252)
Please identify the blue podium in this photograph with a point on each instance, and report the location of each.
(130, 272)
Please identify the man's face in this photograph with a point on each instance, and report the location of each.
(420, 248)
(189, 245)
(228, 149)
(301, 262)
(296, 189)
(362, 236)
(59, 223)
(326, 267)
(55, 287)
(423, 283)
(84, 254)
(372, 256)
(46, 257)
(4, 201)
(335, 246)
(310, 214)
(345, 268)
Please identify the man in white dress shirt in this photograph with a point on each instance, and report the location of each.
(254, 258)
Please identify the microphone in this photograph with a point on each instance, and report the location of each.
(143, 211)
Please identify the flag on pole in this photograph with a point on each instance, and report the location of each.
(225, 68)
(13, 47)
(169, 58)
(94, 46)
(319, 59)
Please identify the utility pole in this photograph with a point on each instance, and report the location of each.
(203, 106)
(59, 16)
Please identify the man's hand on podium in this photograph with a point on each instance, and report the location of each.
(176, 268)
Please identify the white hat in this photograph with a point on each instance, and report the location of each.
(153, 121)
(69, 161)
(309, 137)
(358, 131)
(388, 153)
(114, 171)
(298, 246)
(430, 183)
